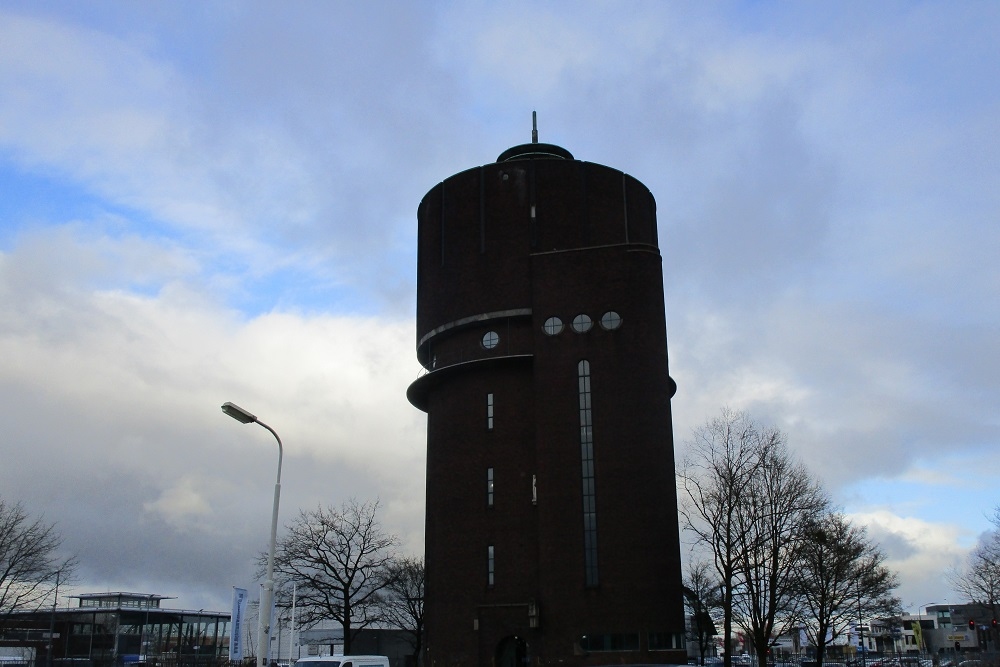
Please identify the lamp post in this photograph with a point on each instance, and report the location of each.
(267, 594)
(52, 620)
(923, 642)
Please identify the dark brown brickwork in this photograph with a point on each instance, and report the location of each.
(502, 248)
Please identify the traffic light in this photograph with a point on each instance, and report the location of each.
(993, 623)
(972, 624)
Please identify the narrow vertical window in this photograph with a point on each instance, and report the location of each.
(489, 412)
(489, 487)
(489, 566)
(589, 493)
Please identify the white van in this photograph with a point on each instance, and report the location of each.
(344, 661)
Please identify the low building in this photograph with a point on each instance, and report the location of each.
(118, 629)
(961, 627)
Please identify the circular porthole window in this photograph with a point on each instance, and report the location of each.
(490, 340)
(552, 326)
(611, 320)
(582, 323)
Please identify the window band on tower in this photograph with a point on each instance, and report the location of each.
(587, 465)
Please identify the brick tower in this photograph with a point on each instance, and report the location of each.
(551, 528)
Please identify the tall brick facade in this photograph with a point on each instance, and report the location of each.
(551, 529)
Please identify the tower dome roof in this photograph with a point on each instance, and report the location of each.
(535, 150)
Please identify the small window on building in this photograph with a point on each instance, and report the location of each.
(490, 340)
(582, 323)
(489, 566)
(489, 487)
(552, 326)
(611, 320)
(489, 412)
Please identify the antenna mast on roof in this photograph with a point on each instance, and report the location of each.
(534, 127)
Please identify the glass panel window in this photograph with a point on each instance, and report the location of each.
(552, 326)
(665, 641)
(489, 412)
(491, 339)
(611, 641)
(582, 323)
(489, 565)
(611, 320)
(489, 487)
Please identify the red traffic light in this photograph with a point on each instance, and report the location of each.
(994, 623)
(972, 624)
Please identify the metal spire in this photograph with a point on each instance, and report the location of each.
(534, 127)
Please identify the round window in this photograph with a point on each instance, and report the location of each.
(490, 340)
(552, 326)
(611, 320)
(582, 323)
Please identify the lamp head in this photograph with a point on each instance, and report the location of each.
(238, 413)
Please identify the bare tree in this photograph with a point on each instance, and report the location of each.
(701, 591)
(31, 567)
(721, 464)
(841, 574)
(979, 579)
(747, 502)
(403, 600)
(338, 560)
(781, 500)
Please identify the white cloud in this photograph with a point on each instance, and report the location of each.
(136, 382)
(922, 553)
(180, 502)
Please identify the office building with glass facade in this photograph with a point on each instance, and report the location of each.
(117, 629)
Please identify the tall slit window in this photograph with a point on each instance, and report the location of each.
(587, 467)
(489, 566)
(489, 487)
(489, 412)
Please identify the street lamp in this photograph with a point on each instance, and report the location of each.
(263, 626)
(52, 620)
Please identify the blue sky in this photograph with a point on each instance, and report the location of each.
(210, 202)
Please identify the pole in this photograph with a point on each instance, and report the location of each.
(861, 631)
(52, 621)
(292, 640)
(267, 594)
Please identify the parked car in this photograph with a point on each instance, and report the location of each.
(343, 661)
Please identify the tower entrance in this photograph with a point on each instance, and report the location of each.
(511, 652)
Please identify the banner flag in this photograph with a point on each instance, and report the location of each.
(236, 624)
(918, 635)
